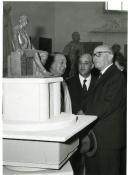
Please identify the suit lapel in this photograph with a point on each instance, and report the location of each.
(78, 83)
(92, 83)
(105, 75)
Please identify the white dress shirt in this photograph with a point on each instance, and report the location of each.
(104, 70)
(87, 82)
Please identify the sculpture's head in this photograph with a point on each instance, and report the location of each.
(23, 20)
(76, 36)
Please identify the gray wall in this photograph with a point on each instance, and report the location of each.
(57, 20)
(85, 17)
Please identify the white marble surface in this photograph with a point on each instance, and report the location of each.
(57, 122)
(60, 135)
(32, 80)
(30, 99)
(65, 170)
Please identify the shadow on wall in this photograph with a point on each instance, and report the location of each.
(39, 30)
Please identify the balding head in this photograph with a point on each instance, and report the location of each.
(105, 48)
(59, 65)
(85, 65)
(102, 57)
(87, 56)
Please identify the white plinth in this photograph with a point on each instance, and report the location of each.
(31, 102)
(37, 154)
(31, 99)
(60, 135)
(64, 120)
(65, 170)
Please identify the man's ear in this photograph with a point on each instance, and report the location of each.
(111, 57)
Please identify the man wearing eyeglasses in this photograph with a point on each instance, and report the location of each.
(108, 102)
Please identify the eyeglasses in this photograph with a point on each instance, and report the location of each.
(98, 54)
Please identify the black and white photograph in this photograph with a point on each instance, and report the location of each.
(64, 87)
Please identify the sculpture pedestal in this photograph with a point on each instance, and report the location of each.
(43, 149)
(65, 170)
(36, 101)
(31, 99)
(37, 154)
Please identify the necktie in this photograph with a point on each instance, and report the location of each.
(84, 87)
(84, 94)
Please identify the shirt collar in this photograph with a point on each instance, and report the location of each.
(104, 70)
(87, 82)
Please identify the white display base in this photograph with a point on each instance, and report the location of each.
(37, 154)
(23, 169)
(59, 122)
(31, 99)
(60, 135)
(65, 170)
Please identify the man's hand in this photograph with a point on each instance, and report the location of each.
(44, 56)
(85, 144)
(46, 73)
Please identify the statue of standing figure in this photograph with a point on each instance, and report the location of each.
(72, 51)
(22, 44)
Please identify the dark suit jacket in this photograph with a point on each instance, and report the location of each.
(75, 90)
(108, 102)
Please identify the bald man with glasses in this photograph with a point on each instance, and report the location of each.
(108, 102)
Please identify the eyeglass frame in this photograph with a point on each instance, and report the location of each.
(95, 54)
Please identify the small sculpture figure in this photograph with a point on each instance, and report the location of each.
(22, 44)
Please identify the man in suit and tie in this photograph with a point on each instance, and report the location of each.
(82, 82)
(79, 86)
(108, 102)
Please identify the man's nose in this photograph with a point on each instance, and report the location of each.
(82, 66)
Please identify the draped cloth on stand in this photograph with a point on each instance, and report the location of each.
(65, 100)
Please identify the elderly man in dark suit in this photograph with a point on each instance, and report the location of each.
(76, 83)
(108, 102)
(79, 86)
